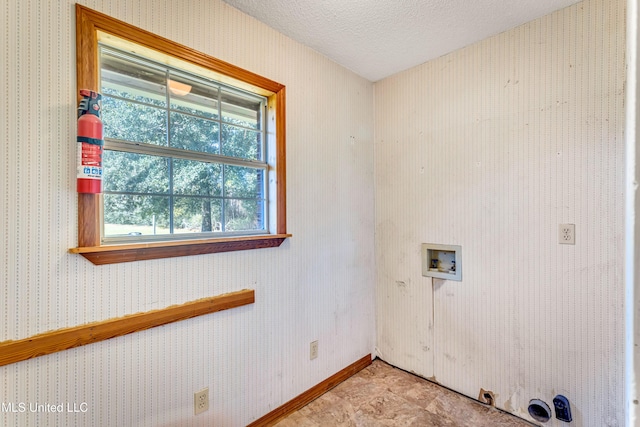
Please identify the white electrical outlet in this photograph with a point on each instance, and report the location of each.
(313, 350)
(201, 401)
(567, 234)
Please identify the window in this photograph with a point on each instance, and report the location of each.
(194, 149)
(183, 156)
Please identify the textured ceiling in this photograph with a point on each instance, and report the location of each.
(378, 38)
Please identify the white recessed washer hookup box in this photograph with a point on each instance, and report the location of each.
(442, 261)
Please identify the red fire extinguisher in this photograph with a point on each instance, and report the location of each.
(90, 142)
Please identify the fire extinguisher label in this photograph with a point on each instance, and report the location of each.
(90, 172)
(90, 161)
(91, 154)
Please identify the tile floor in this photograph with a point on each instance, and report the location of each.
(381, 395)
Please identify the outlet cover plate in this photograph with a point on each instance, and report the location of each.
(201, 401)
(567, 234)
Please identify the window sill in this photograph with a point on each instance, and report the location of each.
(113, 254)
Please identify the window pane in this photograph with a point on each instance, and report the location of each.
(243, 182)
(193, 133)
(132, 80)
(238, 142)
(197, 215)
(197, 178)
(242, 215)
(129, 121)
(135, 173)
(126, 214)
(193, 96)
(241, 110)
(148, 103)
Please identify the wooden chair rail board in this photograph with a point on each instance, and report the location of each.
(67, 338)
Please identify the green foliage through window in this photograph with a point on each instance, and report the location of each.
(183, 154)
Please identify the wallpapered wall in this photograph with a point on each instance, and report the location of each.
(491, 148)
(317, 285)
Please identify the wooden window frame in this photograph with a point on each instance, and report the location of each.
(88, 24)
